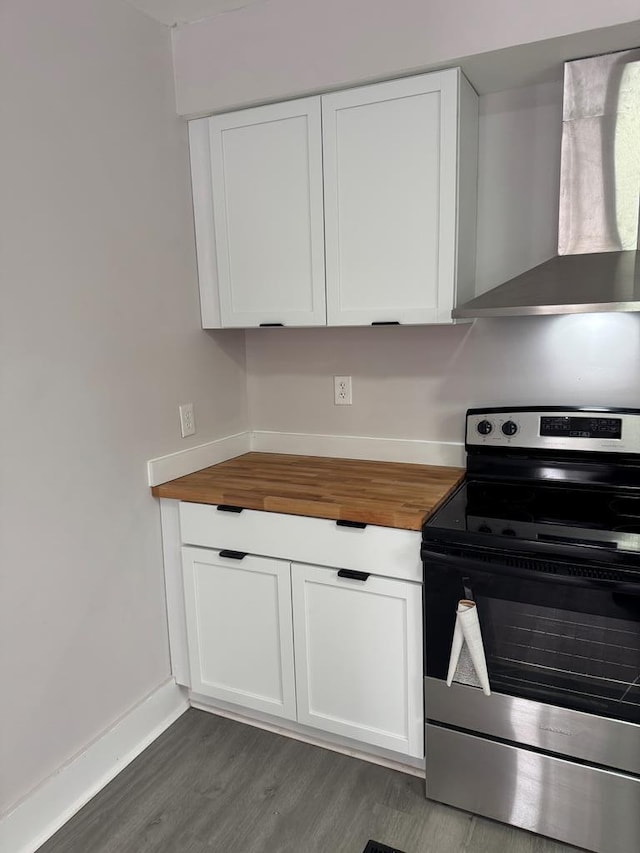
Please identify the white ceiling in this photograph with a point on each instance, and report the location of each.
(172, 12)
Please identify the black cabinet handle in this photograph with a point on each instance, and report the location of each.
(386, 323)
(354, 576)
(233, 555)
(229, 508)
(360, 525)
(266, 325)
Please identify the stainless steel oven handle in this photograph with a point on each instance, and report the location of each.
(463, 564)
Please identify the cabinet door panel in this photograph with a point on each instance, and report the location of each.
(390, 200)
(266, 168)
(239, 630)
(359, 657)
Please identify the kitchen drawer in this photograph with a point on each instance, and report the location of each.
(587, 806)
(384, 551)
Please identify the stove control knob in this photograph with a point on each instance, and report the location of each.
(484, 528)
(485, 427)
(509, 428)
(508, 531)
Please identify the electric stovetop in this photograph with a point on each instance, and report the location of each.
(597, 518)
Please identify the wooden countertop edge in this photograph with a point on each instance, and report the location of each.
(395, 516)
(406, 520)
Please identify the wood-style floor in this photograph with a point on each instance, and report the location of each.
(211, 784)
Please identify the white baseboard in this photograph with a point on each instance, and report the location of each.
(192, 459)
(360, 447)
(42, 812)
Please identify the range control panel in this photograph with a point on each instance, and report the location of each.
(604, 430)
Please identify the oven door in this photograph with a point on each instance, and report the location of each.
(562, 645)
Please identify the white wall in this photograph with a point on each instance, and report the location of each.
(519, 136)
(99, 343)
(417, 382)
(282, 48)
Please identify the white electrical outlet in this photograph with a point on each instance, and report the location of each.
(342, 390)
(187, 420)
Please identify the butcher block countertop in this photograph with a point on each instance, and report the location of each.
(390, 494)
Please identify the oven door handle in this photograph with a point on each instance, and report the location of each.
(466, 564)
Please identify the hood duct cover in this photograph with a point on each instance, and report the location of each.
(598, 268)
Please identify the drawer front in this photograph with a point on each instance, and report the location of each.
(574, 803)
(383, 551)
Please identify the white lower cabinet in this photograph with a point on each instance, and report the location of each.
(239, 630)
(358, 656)
(335, 649)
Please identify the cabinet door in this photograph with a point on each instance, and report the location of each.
(239, 630)
(390, 183)
(266, 173)
(359, 657)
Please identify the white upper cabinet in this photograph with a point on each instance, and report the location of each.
(382, 189)
(397, 249)
(257, 182)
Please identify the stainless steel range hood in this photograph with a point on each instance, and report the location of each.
(598, 263)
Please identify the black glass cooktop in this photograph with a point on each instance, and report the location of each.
(545, 513)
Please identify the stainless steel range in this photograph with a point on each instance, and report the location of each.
(544, 536)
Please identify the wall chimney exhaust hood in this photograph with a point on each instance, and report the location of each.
(598, 263)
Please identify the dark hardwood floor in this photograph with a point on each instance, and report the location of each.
(211, 784)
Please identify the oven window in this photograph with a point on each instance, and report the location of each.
(575, 645)
(564, 657)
